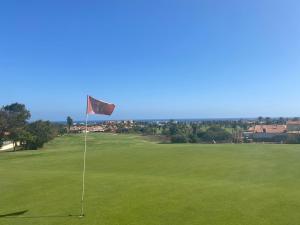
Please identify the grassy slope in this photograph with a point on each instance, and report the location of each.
(134, 182)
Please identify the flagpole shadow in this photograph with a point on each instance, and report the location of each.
(19, 215)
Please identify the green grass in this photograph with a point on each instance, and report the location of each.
(131, 181)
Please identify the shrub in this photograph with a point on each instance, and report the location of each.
(193, 139)
(217, 134)
(41, 132)
(179, 138)
(293, 140)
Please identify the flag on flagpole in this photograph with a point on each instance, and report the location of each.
(95, 106)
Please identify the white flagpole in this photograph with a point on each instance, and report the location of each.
(83, 172)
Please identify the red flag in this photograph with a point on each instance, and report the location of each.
(95, 106)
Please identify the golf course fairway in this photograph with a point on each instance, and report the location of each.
(132, 181)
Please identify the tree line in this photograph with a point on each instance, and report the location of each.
(209, 131)
(15, 127)
(185, 132)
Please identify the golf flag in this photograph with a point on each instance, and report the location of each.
(95, 106)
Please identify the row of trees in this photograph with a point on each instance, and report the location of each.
(183, 132)
(14, 126)
(210, 131)
(195, 133)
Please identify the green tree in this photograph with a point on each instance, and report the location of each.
(3, 126)
(260, 119)
(16, 119)
(179, 138)
(40, 133)
(194, 129)
(268, 121)
(24, 137)
(216, 134)
(69, 122)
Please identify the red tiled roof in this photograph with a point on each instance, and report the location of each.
(274, 129)
(291, 122)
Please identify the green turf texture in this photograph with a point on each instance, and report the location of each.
(131, 181)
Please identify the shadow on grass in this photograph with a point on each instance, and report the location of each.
(19, 215)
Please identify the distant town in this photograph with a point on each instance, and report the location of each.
(281, 130)
(17, 133)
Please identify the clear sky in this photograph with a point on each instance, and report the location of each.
(152, 58)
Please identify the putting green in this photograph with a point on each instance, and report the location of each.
(131, 181)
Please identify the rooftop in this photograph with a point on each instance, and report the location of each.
(274, 129)
(292, 122)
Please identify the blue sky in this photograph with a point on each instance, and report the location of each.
(152, 58)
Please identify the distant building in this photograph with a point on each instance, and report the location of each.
(267, 131)
(108, 126)
(96, 129)
(77, 129)
(293, 126)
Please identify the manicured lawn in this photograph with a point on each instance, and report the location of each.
(131, 181)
